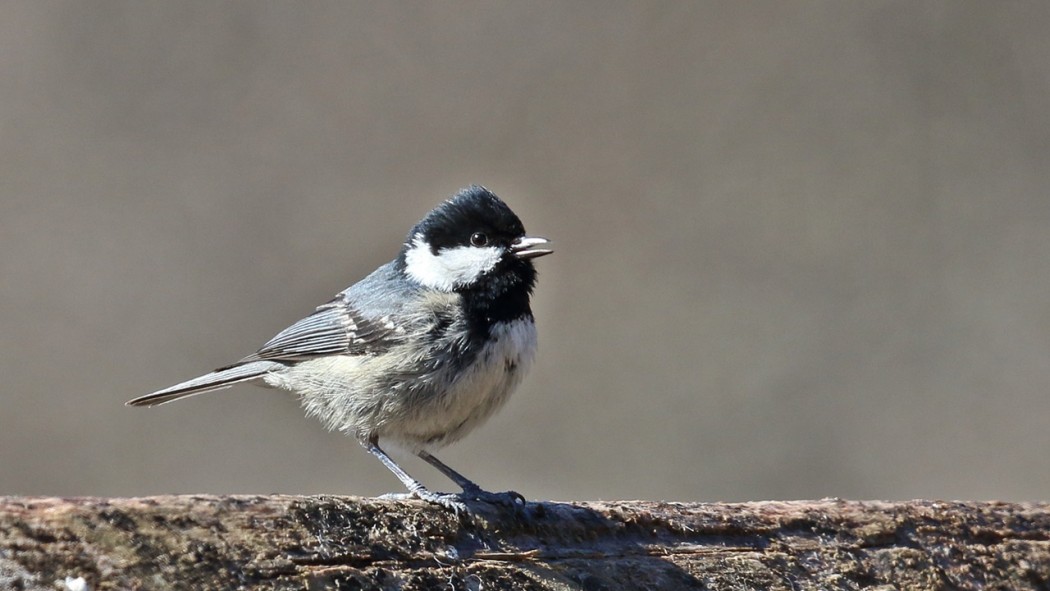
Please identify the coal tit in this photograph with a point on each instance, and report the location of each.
(421, 351)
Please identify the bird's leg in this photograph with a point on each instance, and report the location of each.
(470, 488)
(468, 485)
(414, 487)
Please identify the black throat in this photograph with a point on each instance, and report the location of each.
(502, 297)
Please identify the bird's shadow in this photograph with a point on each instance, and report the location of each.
(365, 542)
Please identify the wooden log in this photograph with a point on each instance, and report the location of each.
(287, 542)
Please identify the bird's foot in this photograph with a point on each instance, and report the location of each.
(451, 501)
(459, 502)
(507, 499)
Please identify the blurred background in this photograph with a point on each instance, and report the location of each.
(803, 248)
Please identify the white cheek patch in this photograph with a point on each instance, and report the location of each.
(451, 267)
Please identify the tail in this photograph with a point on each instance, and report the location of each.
(216, 380)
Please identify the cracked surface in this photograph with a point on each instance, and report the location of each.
(287, 542)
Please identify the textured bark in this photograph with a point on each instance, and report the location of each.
(285, 542)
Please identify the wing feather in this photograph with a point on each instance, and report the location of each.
(336, 328)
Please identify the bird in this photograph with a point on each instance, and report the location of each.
(421, 351)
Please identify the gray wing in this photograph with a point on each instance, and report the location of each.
(336, 328)
(357, 322)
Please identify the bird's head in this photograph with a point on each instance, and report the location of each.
(471, 241)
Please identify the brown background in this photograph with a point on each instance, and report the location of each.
(803, 247)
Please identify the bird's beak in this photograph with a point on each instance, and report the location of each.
(526, 247)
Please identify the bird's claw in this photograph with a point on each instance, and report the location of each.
(458, 502)
(452, 502)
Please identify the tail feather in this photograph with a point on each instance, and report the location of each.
(216, 380)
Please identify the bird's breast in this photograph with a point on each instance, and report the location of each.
(479, 388)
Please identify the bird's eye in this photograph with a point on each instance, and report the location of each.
(478, 239)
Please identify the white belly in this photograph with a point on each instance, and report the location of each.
(479, 392)
(355, 395)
